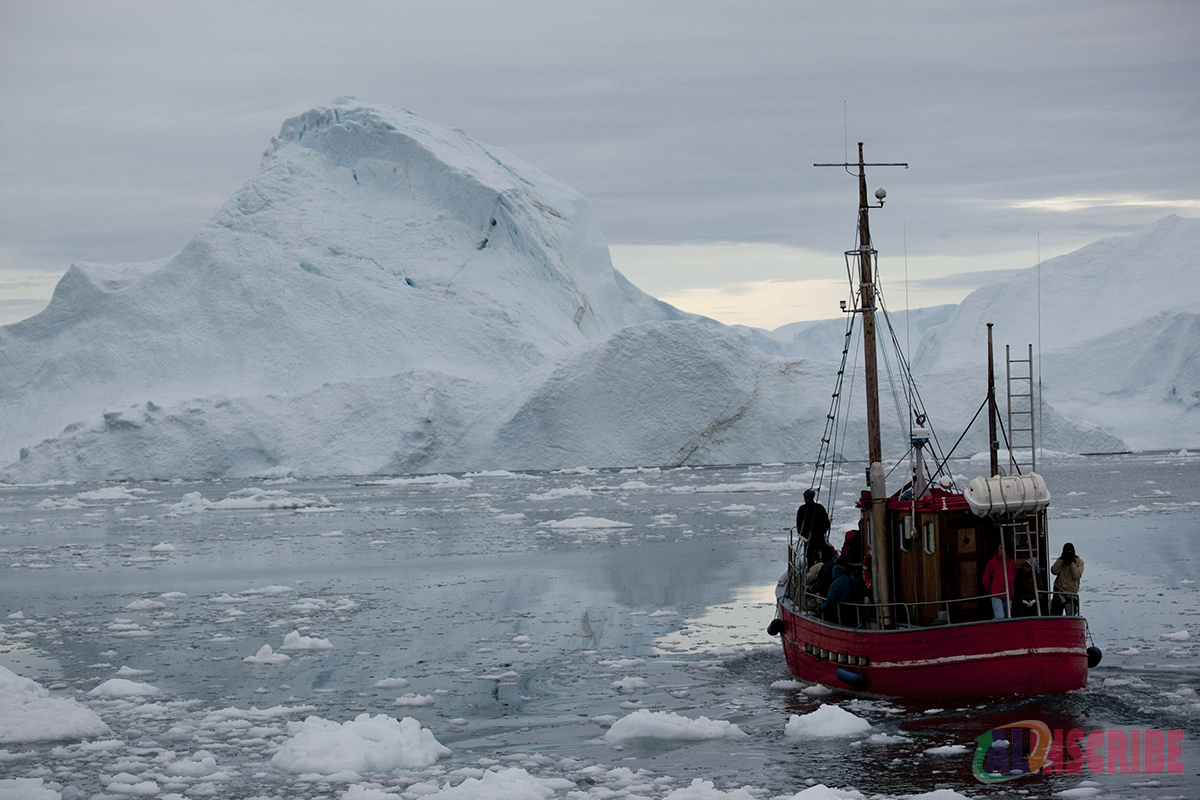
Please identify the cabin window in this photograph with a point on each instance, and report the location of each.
(905, 530)
(930, 538)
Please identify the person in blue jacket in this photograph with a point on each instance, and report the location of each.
(846, 588)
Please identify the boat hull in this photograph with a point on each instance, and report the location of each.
(1022, 656)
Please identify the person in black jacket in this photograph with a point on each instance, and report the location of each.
(812, 524)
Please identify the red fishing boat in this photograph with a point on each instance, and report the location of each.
(926, 629)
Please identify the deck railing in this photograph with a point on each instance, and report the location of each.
(856, 614)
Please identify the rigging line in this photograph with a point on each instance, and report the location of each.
(829, 432)
(920, 404)
(840, 442)
(898, 463)
(1040, 430)
(907, 309)
(887, 362)
(960, 438)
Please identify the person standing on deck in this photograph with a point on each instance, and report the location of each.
(812, 525)
(1069, 569)
(1000, 581)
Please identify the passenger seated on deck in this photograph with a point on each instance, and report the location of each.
(820, 574)
(997, 584)
(846, 588)
(1025, 600)
(1069, 569)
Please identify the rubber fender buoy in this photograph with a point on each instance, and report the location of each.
(850, 678)
(1094, 656)
(775, 628)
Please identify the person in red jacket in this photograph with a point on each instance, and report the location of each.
(1000, 581)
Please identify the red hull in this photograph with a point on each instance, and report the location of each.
(1025, 656)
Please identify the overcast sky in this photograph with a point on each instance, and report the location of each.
(691, 126)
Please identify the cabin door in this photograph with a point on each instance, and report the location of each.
(963, 579)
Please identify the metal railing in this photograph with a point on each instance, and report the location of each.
(867, 612)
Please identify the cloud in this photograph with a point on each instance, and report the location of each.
(1084, 202)
(684, 122)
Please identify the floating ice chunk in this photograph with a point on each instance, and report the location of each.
(190, 503)
(391, 683)
(333, 534)
(267, 656)
(947, 750)
(226, 598)
(254, 498)
(1078, 792)
(576, 471)
(663, 612)
(145, 605)
(583, 523)
(172, 595)
(269, 590)
(435, 481)
(624, 663)
(358, 791)
(415, 700)
(364, 745)
(510, 517)
(120, 687)
(52, 504)
(1177, 636)
(29, 714)
(112, 493)
(632, 485)
(789, 686)
(665, 726)
(738, 508)
(139, 789)
(630, 684)
(705, 790)
(163, 547)
(513, 783)
(17, 615)
(130, 672)
(201, 764)
(559, 492)
(828, 721)
(26, 789)
(1132, 651)
(294, 641)
(887, 738)
(521, 639)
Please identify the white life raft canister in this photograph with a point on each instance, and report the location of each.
(1004, 495)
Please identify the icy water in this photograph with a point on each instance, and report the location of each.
(516, 626)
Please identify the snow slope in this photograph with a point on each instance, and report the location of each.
(1119, 333)
(387, 295)
(1096, 290)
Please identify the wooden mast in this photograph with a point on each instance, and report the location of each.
(881, 556)
(881, 551)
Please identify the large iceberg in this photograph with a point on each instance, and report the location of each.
(388, 295)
